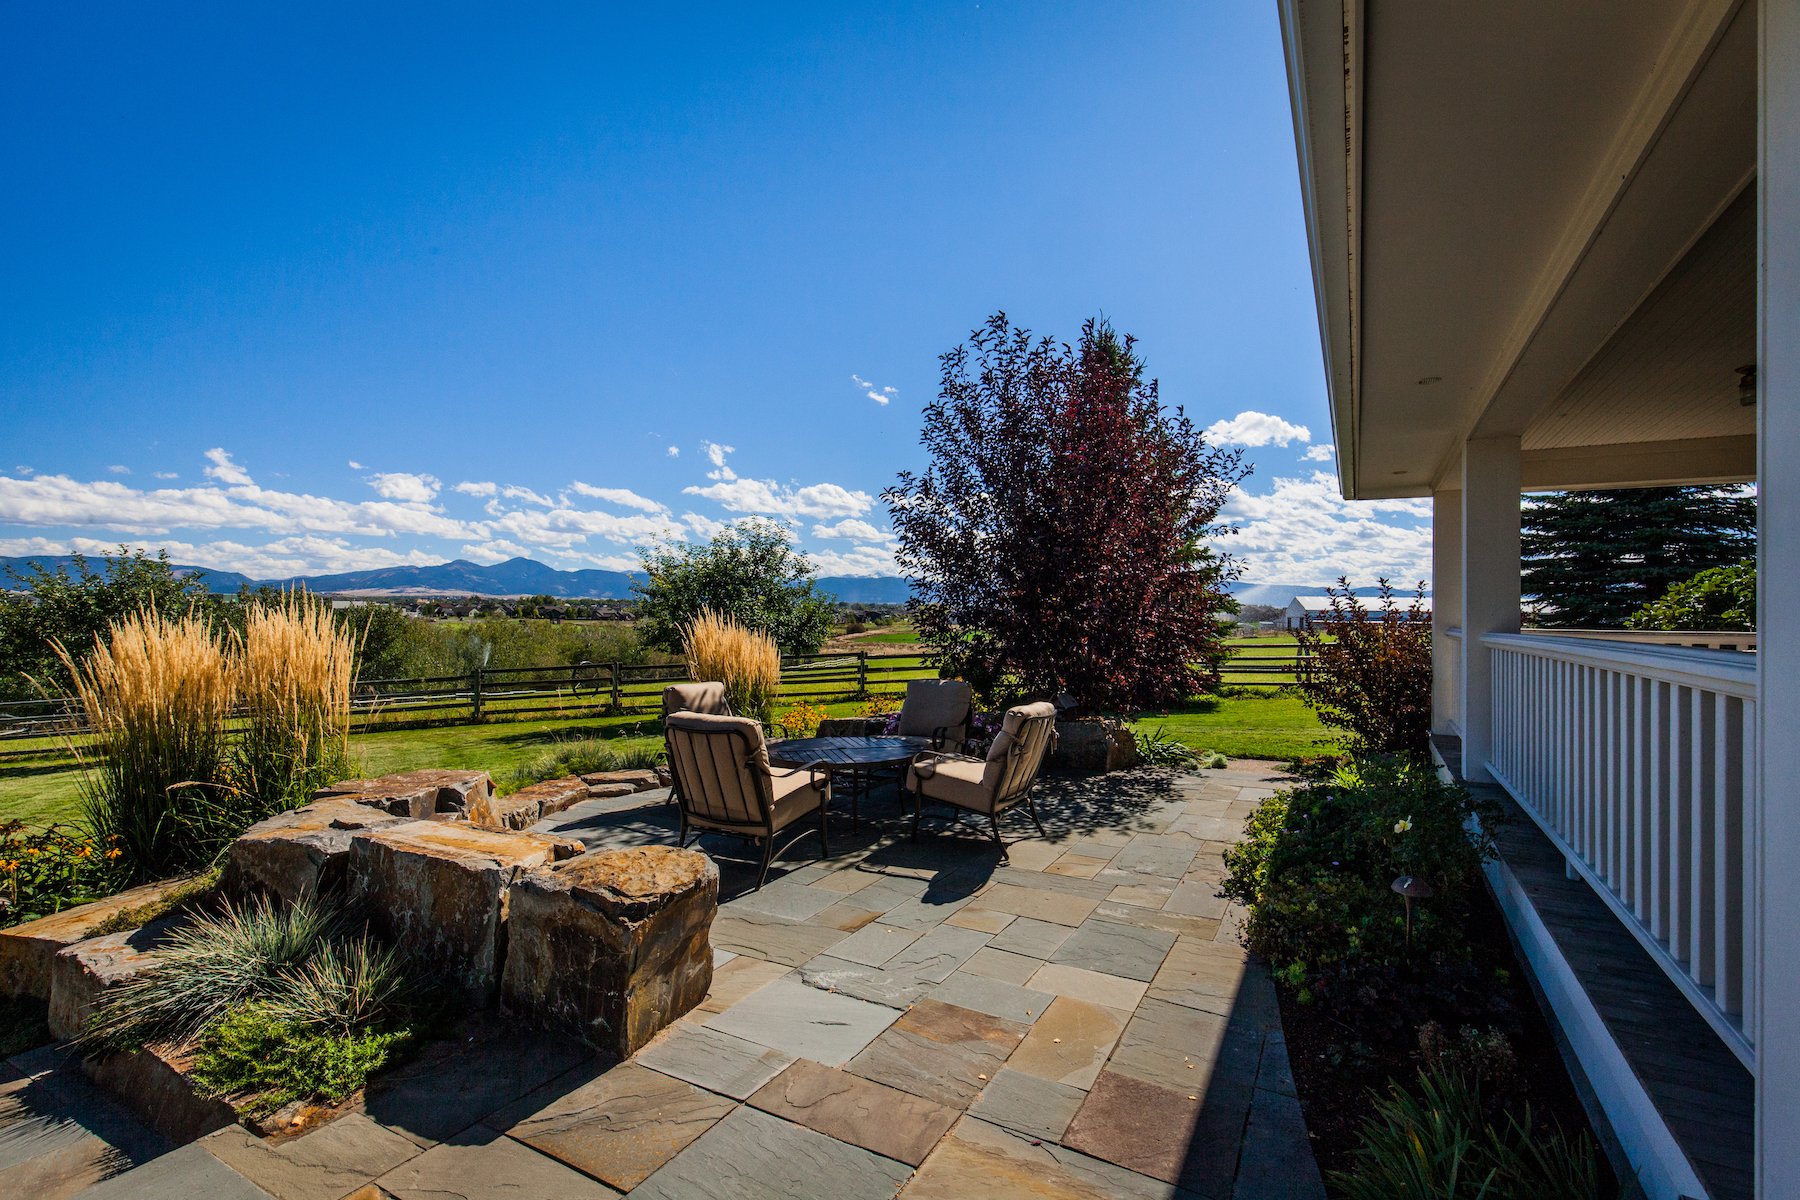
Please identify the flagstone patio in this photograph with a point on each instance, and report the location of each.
(1076, 1020)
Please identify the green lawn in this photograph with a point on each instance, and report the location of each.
(43, 787)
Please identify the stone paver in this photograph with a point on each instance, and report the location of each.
(1075, 1020)
(624, 1124)
(1028, 1105)
(715, 1061)
(751, 1155)
(1128, 951)
(796, 1019)
(481, 1163)
(852, 1109)
(1069, 1043)
(940, 1052)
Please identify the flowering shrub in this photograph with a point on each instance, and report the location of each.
(43, 871)
(802, 720)
(1317, 870)
(881, 704)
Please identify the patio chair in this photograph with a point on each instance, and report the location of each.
(727, 786)
(706, 698)
(996, 783)
(938, 709)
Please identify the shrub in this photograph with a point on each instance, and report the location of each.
(293, 678)
(581, 756)
(257, 1053)
(746, 662)
(749, 573)
(1158, 749)
(156, 694)
(1722, 598)
(881, 704)
(1436, 1142)
(44, 871)
(1370, 673)
(1317, 867)
(802, 720)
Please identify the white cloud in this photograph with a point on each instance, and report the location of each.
(354, 465)
(674, 451)
(470, 488)
(405, 486)
(819, 500)
(880, 395)
(567, 527)
(1257, 429)
(704, 527)
(853, 529)
(858, 560)
(166, 474)
(269, 560)
(1323, 452)
(1304, 532)
(513, 491)
(223, 469)
(623, 497)
(25, 470)
(118, 469)
(715, 454)
(489, 553)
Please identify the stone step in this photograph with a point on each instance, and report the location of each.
(59, 1133)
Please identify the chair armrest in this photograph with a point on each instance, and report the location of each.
(821, 773)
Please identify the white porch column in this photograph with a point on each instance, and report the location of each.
(1776, 815)
(1446, 607)
(1490, 584)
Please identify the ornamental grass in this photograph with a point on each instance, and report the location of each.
(293, 670)
(157, 693)
(745, 661)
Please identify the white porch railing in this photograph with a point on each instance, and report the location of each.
(1637, 762)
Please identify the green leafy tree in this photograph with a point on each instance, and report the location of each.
(1592, 559)
(749, 572)
(73, 604)
(1722, 598)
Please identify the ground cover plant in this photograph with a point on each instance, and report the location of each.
(279, 1002)
(582, 756)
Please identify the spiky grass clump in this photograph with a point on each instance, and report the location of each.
(748, 663)
(581, 756)
(294, 671)
(207, 966)
(156, 693)
(349, 984)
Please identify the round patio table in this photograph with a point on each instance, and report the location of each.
(858, 759)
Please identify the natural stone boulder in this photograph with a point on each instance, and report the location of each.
(154, 1084)
(80, 973)
(639, 780)
(27, 951)
(1093, 745)
(415, 794)
(613, 944)
(527, 805)
(300, 854)
(438, 888)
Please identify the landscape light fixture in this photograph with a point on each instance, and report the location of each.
(1410, 889)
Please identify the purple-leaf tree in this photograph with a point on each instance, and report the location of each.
(1057, 540)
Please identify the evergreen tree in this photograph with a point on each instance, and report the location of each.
(1592, 559)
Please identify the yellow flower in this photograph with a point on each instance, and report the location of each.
(1403, 825)
(115, 852)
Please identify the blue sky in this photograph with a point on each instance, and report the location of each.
(322, 287)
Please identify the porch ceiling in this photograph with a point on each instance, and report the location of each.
(1531, 219)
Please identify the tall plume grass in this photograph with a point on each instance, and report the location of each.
(746, 662)
(294, 669)
(157, 693)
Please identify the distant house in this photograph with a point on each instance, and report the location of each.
(1303, 611)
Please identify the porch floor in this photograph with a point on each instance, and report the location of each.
(1703, 1093)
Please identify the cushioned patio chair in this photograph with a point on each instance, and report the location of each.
(938, 709)
(727, 786)
(708, 698)
(993, 784)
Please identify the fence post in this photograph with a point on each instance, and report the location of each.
(617, 701)
(862, 674)
(475, 691)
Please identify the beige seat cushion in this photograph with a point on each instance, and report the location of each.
(795, 797)
(696, 697)
(952, 779)
(934, 704)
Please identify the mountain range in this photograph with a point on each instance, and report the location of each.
(528, 577)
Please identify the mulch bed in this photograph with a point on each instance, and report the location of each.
(1335, 1093)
